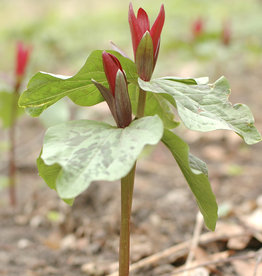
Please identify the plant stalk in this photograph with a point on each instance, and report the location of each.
(12, 133)
(127, 187)
(141, 103)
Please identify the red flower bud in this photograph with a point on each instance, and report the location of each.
(117, 96)
(21, 59)
(111, 66)
(140, 27)
(197, 27)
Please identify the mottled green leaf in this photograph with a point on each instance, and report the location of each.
(6, 108)
(189, 81)
(155, 104)
(56, 114)
(197, 165)
(205, 107)
(45, 89)
(79, 152)
(195, 173)
(49, 174)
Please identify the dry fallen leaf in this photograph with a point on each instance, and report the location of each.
(239, 243)
(247, 268)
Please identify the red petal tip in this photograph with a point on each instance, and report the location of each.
(111, 66)
(143, 21)
(157, 27)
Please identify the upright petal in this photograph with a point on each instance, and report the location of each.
(143, 21)
(136, 32)
(197, 27)
(156, 53)
(109, 98)
(111, 66)
(122, 101)
(21, 59)
(145, 57)
(157, 27)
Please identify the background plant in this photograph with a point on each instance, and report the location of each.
(9, 112)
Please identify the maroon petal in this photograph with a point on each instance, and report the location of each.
(135, 29)
(143, 21)
(109, 98)
(156, 52)
(111, 66)
(22, 58)
(197, 27)
(156, 29)
(122, 101)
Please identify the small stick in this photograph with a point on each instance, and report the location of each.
(179, 250)
(195, 241)
(259, 259)
(220, 261)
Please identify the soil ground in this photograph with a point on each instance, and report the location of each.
(43, 236)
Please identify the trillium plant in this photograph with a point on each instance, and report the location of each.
(9, 111)
(77, 153)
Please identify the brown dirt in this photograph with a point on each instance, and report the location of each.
(43, 236)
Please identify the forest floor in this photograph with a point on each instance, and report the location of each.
(42, 236)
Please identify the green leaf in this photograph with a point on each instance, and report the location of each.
(156, 104)
(56, 114)
(197, 165)
(37, 111)
(205, 107)
(195, 173)
(189, 81)
(79, 152)
(49, 174)
(46, 89)
(6, 106)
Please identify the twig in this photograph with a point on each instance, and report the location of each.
(258, 261)
(220, 261)
(179, 250)
(212, 257)
(195, 241)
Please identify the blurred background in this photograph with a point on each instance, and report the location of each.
(62, 33)
(199, 38)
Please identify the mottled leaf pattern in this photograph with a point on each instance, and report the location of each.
(155, 104)
(86, 151)
(205, 107)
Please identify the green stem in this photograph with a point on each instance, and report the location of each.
(12, 163)
(127, 187)
(141, 103)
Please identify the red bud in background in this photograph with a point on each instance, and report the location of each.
(197, 27)
(22, 57)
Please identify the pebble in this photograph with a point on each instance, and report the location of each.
(23, 243)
